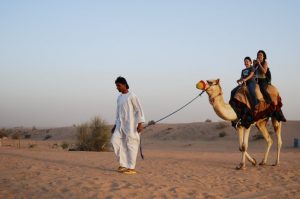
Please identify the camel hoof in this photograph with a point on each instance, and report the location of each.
(240, 167)
(276, 165)
(262, 164)
(254, 163)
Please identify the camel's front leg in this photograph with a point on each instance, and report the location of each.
(243, 142)
(277, 129)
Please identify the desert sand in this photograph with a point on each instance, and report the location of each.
(181, 161)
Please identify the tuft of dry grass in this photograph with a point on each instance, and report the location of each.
(222, 134)
(64, 145)
(258, 136)
(208, 120)
(32, 146)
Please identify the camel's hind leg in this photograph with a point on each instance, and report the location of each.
(261, 125)
(277, 129)
(243, 146)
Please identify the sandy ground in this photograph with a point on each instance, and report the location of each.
(174, 168)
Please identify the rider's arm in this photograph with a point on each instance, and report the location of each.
(249, 77)
(264, 67)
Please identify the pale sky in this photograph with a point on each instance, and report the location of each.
(59, 59)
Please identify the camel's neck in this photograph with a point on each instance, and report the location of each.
(223, 110)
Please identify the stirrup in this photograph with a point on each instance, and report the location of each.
(238, 123)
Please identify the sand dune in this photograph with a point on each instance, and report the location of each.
(182, 161)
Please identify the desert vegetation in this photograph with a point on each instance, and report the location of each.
(93, 135)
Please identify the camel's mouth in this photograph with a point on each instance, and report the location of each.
(201, 85)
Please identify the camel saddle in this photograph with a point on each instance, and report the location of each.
(243, 108)
(243, 95)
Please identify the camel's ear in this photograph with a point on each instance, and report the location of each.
(218, 81)
(209, 82)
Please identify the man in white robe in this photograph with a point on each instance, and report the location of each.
(129, 123)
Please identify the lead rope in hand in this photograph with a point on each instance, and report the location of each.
(154, 122)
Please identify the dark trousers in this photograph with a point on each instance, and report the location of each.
(263, 84)
(234, 91)
(251, 88)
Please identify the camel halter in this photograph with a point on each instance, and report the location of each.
(212, 99)
(203, 86)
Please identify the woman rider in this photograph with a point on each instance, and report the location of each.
(261, 67)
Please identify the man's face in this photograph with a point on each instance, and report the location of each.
(121, 87)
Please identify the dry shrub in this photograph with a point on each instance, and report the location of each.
(32, 146)
(258, 136)
(222, 134)
(93, 136)
(47, 137)
(3, 133)
(208, 120)
(64, 145)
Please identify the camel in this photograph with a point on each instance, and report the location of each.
(226, 112)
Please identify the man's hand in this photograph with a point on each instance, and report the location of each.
(240, 81)
(113, 129)
(140, 127)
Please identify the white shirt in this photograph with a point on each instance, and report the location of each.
(129, 114)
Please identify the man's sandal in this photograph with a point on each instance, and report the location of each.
(129, 171)
(122, 169)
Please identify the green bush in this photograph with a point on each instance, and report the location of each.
(93, 136)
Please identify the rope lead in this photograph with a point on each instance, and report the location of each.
(154, 122)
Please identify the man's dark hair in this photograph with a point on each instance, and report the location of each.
(122, 80)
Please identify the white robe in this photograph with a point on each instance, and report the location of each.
(125, 139)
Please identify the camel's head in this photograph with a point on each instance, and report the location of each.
(212, 87)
